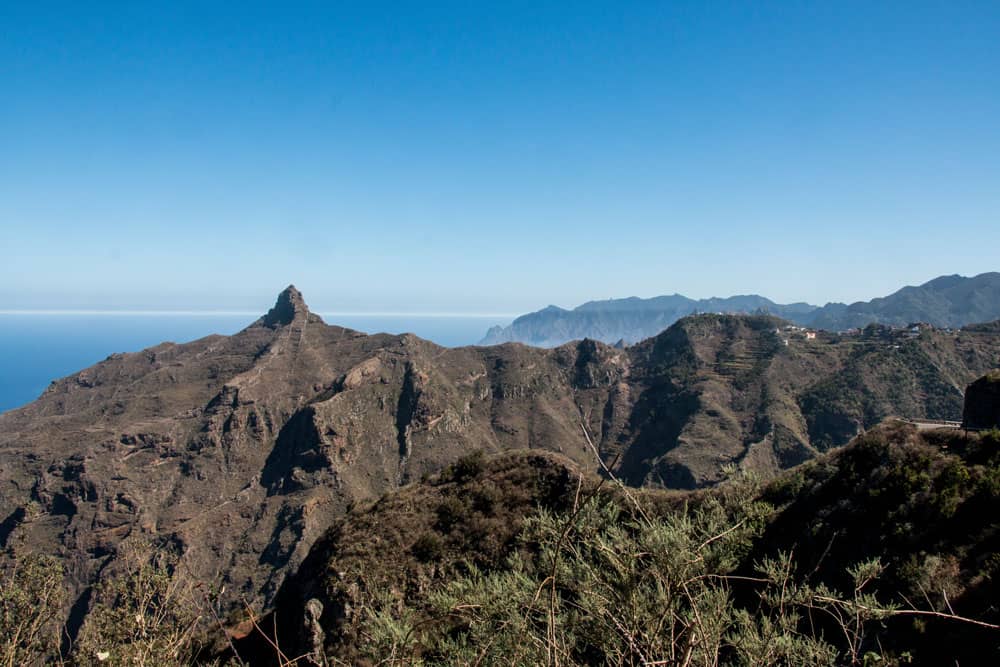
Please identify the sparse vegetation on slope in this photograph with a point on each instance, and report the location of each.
(883, 552)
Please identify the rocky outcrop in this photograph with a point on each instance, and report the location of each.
(982, 403)
(289, 307)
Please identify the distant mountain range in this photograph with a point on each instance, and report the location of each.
(948, 301)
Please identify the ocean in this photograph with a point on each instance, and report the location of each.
(36, 348)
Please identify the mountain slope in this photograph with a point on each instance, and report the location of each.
(238, 452)
(948, 301)
(921, 503)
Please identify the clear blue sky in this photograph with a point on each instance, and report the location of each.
(493, 157)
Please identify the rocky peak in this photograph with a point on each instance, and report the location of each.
(289, 307)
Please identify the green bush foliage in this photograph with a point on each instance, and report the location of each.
(608, 584)
(31, 597)
(144, 616)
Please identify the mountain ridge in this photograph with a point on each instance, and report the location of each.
(946, 301)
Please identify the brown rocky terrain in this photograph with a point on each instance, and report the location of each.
(238, 452)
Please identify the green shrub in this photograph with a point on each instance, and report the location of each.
(144, 616)
(450, 512)
(31, 597)
(466, 467)
(429, 547)
(608, 586)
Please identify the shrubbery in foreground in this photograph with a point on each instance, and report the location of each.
(613, 586)
(618, 578)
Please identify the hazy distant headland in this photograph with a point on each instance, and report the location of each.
(948, 301)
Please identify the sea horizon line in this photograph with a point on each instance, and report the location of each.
(240, 313)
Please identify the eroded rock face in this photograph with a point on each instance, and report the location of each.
(239, 451)
(982, 402)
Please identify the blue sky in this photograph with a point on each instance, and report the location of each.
(475, 157)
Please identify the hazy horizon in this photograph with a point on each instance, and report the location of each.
(247, 313)
(326, 313)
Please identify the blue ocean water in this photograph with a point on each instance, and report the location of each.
(38, 348)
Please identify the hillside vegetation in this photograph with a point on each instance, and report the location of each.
(866, 555)
(885, 552)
